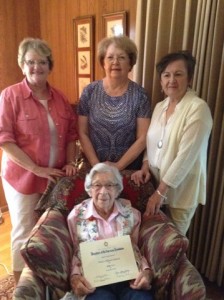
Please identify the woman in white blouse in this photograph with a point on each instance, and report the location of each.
(177, 142)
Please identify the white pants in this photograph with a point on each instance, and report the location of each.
(181, 217)
(23, 218)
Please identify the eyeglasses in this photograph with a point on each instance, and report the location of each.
(120, 59)
(108, 186)
(32, 63)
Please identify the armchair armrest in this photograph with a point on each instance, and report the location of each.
(187, 283)
(163, 246)
(30, 286)
(48, 252)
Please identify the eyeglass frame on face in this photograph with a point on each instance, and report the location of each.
(32, 63)
(121, 58)
(108, 186)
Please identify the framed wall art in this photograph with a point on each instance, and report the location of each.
(84, 56)
(84, 62)
(115, 24)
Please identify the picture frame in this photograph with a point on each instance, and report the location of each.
(115, 24)
(84, 62)
(83, 28)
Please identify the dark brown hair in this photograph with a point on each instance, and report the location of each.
(184, 55)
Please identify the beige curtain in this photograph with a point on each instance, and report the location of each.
(164, 26)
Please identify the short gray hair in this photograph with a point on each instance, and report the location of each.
(40, 46)
(104, 168)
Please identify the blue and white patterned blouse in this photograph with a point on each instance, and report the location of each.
(113, 120)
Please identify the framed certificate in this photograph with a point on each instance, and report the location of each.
(108, 261)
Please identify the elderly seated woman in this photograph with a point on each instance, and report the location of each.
(104, 184)
(48, 250)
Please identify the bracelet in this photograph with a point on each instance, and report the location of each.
(72, 163)
(164, 198)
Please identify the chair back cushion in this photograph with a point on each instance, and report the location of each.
(70, 191)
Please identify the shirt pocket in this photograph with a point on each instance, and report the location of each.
(65, 119)
(28, 123)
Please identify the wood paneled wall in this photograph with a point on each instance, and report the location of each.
(57, 28)
(18, 19)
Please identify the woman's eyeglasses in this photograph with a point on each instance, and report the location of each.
(32, 63)
(120, 59)
(108, 186)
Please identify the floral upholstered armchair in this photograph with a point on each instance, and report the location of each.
(48, 250)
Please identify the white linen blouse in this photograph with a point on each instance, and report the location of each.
(182, 160)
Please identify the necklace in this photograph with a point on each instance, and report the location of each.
(165, 118)
(160, 144)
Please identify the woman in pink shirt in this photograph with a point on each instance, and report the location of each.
(103, 216)
(37, 136)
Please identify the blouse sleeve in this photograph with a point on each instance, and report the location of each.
(84, 101)
(194, 140)
(144, 108)
(144, 103)
(7, 119)
(141, 260)
(76, 262)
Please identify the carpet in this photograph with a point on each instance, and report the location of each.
(6, 287)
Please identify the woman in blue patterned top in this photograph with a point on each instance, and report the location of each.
(114, 112)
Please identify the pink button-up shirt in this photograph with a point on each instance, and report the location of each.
(85, 224)
(24, 121)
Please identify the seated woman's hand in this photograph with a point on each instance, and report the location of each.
(80, 285)
(143, 280)
(140, 177)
